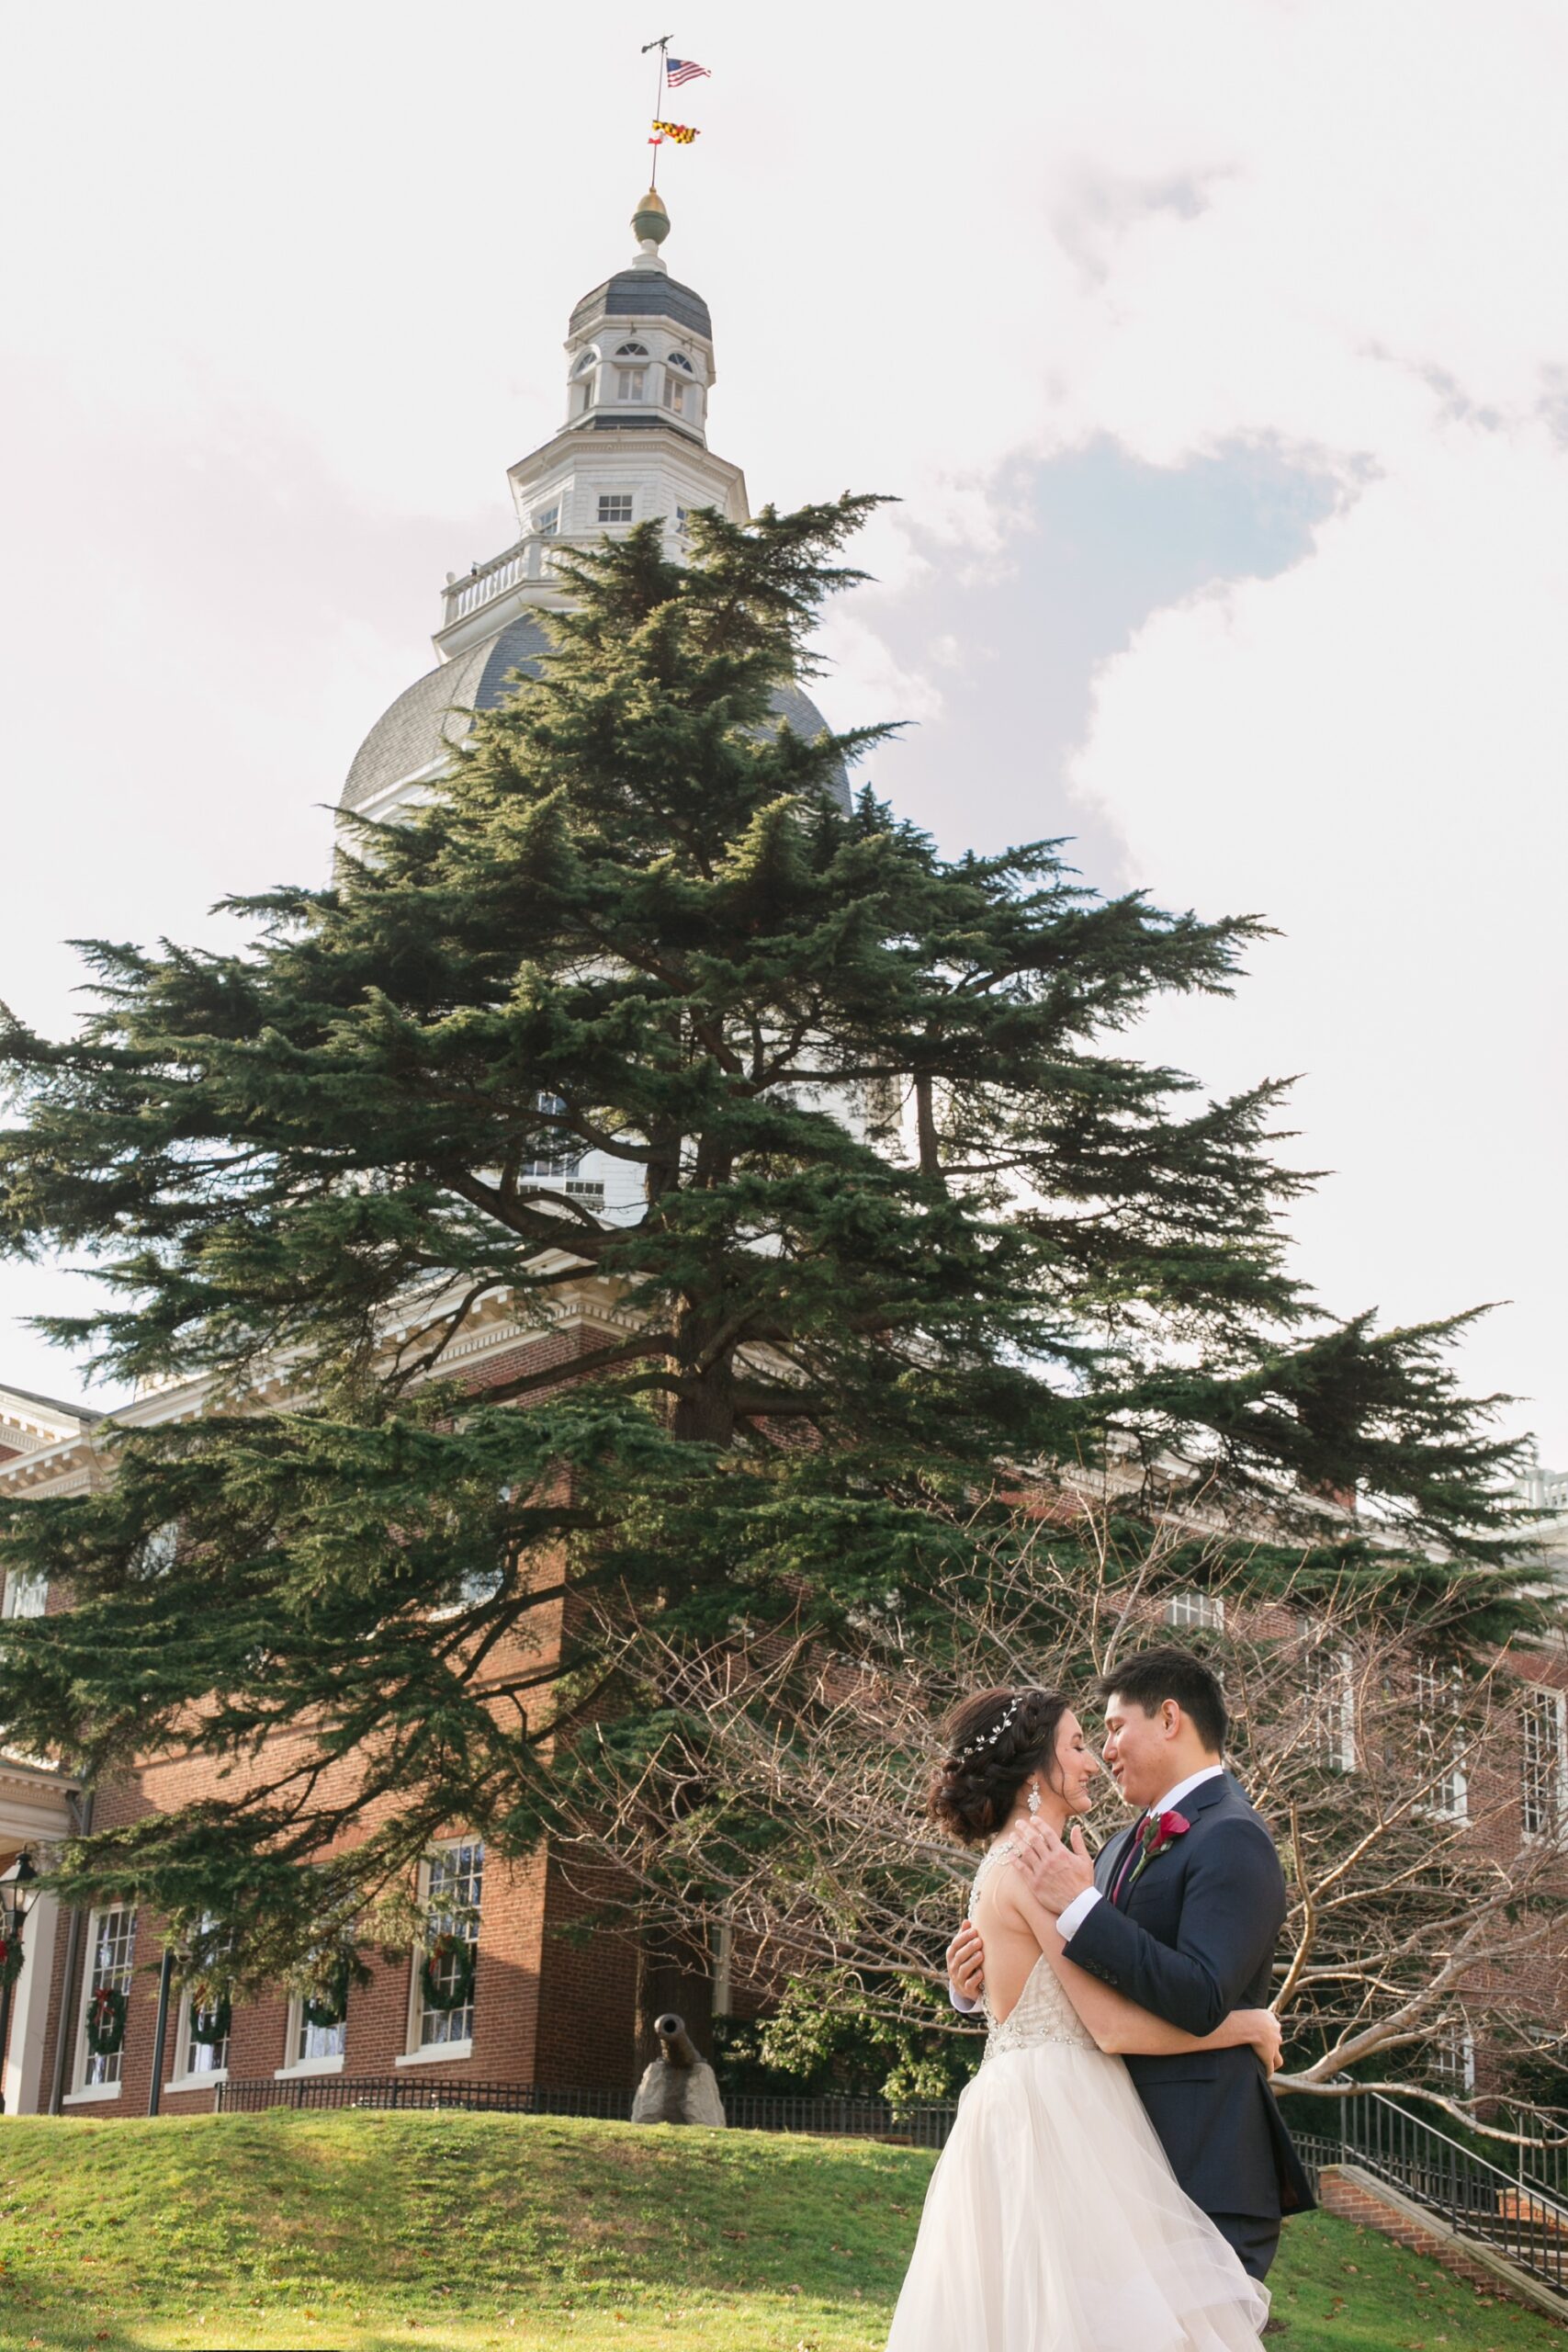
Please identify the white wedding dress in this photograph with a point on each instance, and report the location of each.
(1054, 2222)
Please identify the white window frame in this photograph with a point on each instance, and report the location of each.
(1453, 2059)
(295, 2066)
(1202, 1609)
(1437, 1692)
(417, 2051)
(1543, 1779)
(26, 1594)
(1328, 1684)
(123, 1975)
(616, 498)
(631, 385)
(675, 390)
(546, 522)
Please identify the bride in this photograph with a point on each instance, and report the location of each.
(1054, 2222)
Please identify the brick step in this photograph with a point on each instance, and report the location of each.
(1494, 2266)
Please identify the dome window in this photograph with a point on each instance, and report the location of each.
(631, 351)
(582, 385)
(679, 396)
(679, 359)
(631, 383)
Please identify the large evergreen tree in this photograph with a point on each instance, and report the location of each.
(908, 1206)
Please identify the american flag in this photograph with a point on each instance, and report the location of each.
(682, 69)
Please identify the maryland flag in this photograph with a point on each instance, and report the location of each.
(681, 132)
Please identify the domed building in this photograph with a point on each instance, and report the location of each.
(633, 448)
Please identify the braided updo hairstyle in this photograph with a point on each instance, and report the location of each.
(992, 1744)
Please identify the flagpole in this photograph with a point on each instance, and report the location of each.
(662, 46)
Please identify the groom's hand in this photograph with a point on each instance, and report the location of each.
(967, 1963)
(1057, 1873)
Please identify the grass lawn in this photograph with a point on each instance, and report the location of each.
(369, 2231)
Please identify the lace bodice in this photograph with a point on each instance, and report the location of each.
(1042, 2012)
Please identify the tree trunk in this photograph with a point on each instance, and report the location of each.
(673, 1972)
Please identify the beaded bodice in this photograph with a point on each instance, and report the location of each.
(1042, 2013)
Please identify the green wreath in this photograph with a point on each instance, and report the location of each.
(211, 2027)
(11, 1958)
(328, 2004)
(106, 2020)
(456, 1953)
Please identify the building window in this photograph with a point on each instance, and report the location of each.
(198, 2054)
(314, 2045)
(1452, 2060)
(1195, 1609)
(552, 1159)
(452, 1894)
(1542, 1760)
(111, 1941)
(631, 351)
(26, 1595)
(679, 359)
(1441, 1740)
(676, 392)
(1328, 1697)
(548, 522)
(615, 506)
(683, 520)
(631, 383)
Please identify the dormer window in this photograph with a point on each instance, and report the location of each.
(631, 351)
(631, 383)
(679, 359)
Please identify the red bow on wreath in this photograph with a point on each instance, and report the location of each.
(1159, 1832)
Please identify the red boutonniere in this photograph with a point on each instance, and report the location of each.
(1159, 1833)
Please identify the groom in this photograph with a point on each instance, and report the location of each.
(1181, 1914)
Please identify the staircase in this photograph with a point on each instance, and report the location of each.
(1517, 2215)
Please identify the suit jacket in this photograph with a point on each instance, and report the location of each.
(1194, 1940)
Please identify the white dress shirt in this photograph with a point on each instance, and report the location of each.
(1080, 1906)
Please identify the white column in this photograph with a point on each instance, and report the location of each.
(29, 2010)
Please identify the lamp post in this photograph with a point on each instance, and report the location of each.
(17, 1893)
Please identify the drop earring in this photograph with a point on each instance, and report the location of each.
(1032, 1799)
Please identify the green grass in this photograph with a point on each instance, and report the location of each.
(475, 2233)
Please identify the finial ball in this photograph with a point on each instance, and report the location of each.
(650, 223)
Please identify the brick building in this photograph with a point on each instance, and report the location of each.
(546, 2009)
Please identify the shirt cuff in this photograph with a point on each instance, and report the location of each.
(1076, 1912)
(965, 2008)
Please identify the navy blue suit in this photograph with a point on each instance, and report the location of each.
(1192, 1939)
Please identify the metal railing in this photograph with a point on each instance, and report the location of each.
(1506, 2208)
(835, 2118)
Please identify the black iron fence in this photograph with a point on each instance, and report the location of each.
(850, 2119)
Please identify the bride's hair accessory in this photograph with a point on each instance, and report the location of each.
(992, 1738)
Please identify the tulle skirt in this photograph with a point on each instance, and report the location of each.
(1053, 2223)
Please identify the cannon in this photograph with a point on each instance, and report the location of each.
(677, 2086)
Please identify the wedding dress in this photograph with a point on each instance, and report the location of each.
(1054, 2222)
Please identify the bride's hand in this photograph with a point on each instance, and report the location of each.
(967, 1963)
(1267, 2037)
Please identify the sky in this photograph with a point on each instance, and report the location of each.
(1218, 358)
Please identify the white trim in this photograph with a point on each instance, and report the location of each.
(94, 2091)
(197, 2082)
(307, 2066)
(439, 2053)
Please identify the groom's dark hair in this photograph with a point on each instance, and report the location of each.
(1151, 1677)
